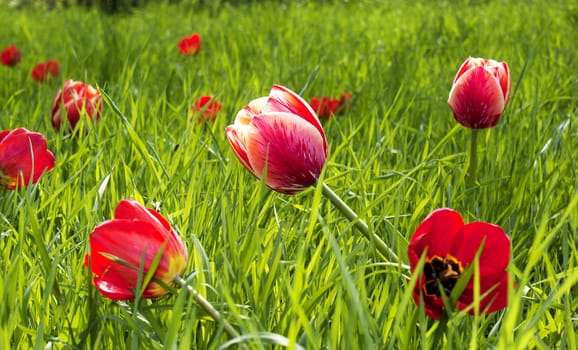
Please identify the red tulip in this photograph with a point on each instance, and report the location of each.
(45, 70)
(282, 134)
(325, 107)
(10, 56)
(450, 247)
(207, 108)
(190, 45)
(480, 92)
(74, 97)
(118, 246)
(24, 157)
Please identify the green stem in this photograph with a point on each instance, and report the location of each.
(379, 244)
(471, 176)
(206, 305)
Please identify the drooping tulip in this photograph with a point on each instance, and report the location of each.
(71, 100)
(450, 247)
(480, 92)
(280, 137)
(24, 157)
(118, 246)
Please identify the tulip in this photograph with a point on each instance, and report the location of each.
(325, 107)
(480, 92)
(44, 71)
(450, 247)
(279, 137)
(207, 108)
(190, 45)
(73, 98)
(24, 157)
(118, 246)
(10, 56)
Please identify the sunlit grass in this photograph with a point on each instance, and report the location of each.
(291, 269)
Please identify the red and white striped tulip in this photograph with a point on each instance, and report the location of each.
(71, 100)
(480, 92)
(279, 137)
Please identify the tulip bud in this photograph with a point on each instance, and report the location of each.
(480, 92)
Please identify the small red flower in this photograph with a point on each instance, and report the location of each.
(24, 157)
(118, 246)
(325, 107)
(207, 109)
(44, 71)
(480, 92)
(282, 134)
(190, 45)
(450, 246)
(71, 100)
(10, 56)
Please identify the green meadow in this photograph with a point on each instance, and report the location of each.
(291, 271)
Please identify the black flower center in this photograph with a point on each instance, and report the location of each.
(441, 273)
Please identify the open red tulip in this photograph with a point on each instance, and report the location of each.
(10, 56)
(480, 92)
(450, 247)
(190, 45)
(44, 71)
(325, 107)
(24, 157)
(207, 108)
(280, 135)
(118, 246)
(71, 100)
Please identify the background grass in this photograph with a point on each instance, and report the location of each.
(290, 270)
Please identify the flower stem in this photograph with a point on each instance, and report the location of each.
(206, 305)
(471, 175)
(379, 244)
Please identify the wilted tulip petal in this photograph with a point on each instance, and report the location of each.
(480, 92)
(24, 157)
(71, 100)
(282, 136)
(118, 246)
(450, 247)
(10, 56)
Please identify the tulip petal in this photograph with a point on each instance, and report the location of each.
(290, 147)
(282, 99)
(477, 99)
(495, 255)
(238, 144)
(435, 234)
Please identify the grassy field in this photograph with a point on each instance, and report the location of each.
(291, 271)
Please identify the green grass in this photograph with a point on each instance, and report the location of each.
(291, 269)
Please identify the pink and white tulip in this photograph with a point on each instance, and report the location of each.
(279, 137)
(480, 92)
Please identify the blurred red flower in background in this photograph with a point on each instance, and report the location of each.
(10, 56)
(280, 134)
(327, 107)
(45, 70)
(24, 157)
(206, 108)
(71, 100)
(480, 92)
(190, 45)
(450, 247)
(118, 246)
